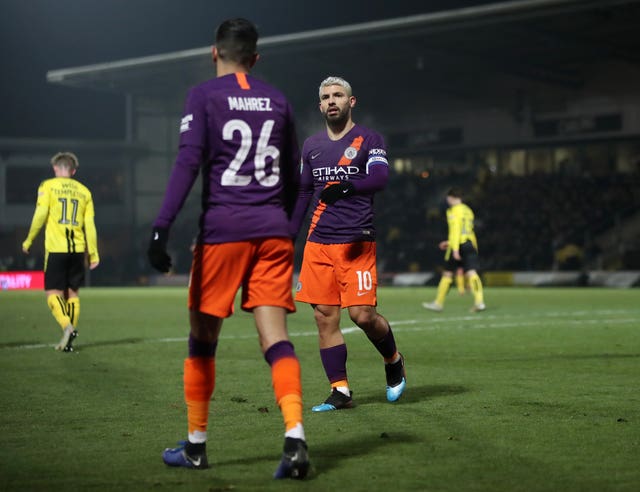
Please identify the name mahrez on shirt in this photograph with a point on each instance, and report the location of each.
(249, 103)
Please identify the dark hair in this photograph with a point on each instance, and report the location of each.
(236, 40)
(455, 192)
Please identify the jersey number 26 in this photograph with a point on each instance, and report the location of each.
(230, 176)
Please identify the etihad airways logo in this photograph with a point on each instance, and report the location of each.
(334, 173)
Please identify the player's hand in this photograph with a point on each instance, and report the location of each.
(443, 245)
(456, 255)
(157, 252)
(331, 194)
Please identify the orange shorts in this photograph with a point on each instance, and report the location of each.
(338, 274)
(263, 267)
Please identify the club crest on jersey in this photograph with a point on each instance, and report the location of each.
(350, 153)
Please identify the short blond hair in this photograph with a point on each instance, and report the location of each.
(65, 159)
(335, 81)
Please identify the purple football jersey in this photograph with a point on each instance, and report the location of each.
(352, 158)
(239, 132)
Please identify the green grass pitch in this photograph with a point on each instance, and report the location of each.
(541, 392)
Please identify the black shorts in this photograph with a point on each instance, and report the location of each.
(469, 261)
(64, 271)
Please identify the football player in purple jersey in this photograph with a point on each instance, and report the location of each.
(342, 168)
(239, 133)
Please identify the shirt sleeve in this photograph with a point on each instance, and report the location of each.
(305, 193)
(90, 232)
(193, 127)
(455, 229)
(40, 215)
(375, 181)
(289, 164)
(377, 167)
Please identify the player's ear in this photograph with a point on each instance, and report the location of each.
(254, 60)
(214, 53)
(352, 101)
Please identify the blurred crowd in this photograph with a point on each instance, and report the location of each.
(535, 222)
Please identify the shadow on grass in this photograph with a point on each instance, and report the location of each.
(77, 346)
(412, 394)
(327, 456)
(109, 343)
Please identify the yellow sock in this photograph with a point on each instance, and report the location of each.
(73, 310)
(58, 307)
(460, 283)
(443, 288)
(476, 288)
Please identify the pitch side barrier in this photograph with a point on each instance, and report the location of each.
(29, 280)
(596, 278)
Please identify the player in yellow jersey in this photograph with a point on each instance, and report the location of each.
(461, 251)
(66, 207)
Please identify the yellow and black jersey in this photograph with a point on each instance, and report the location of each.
(66, 207)
(460, 220)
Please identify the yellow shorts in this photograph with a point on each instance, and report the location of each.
(339, 274)
(263, 267)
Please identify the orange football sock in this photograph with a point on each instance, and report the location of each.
(199, 381)
(287, 387)
(342, 382)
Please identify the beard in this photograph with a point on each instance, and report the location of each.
(337, 120)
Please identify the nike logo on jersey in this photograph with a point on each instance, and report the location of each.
(362, 293)
(313, 156)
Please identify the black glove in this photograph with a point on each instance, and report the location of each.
(157, 252)
(331, 194)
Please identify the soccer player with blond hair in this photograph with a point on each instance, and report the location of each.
(65, 207)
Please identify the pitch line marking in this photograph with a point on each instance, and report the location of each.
(428, 324)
